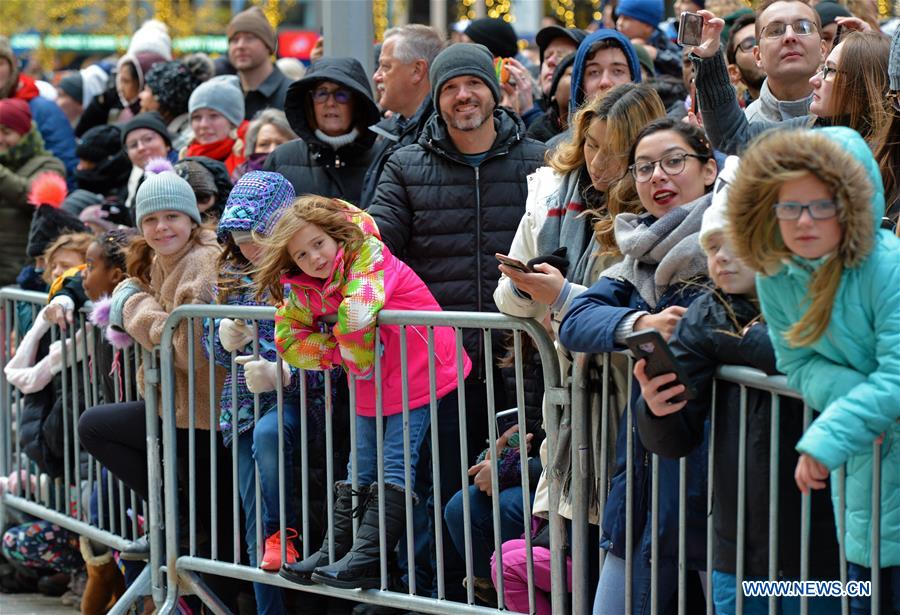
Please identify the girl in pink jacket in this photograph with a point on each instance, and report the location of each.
(330, 256)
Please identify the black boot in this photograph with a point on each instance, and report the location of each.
(360, 568)
(344, 512)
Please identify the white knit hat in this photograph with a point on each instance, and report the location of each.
(152, 36)
(714, 220)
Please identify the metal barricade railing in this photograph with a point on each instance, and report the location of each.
(747, 379)
(81, 496)
(185, 566)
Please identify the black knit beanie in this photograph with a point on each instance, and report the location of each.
(100, 142)
(150, 120)
(172, 84)
(495, 34)
(73, 85)
(463, 59)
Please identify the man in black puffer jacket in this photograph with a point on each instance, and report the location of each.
(331, 110)
(445, 205)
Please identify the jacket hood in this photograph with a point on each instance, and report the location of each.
(347, 72)
(838, 156)
(510, 130)
(603, 34)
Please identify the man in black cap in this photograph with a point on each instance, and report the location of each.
(555, 43)
(446, 205)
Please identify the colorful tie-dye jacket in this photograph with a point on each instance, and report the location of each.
(360, 285)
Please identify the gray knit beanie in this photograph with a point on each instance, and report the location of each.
(463, 59)
(222, 94)
(894, 61)
(165, 192)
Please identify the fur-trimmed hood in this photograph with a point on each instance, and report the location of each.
(838, 156)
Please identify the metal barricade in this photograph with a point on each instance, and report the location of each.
(747, 379)
(218, 559)
(81, 496)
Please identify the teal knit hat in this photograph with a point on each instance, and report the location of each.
(165, 191)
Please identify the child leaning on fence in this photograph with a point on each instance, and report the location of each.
(723, 326)
(330, 255)
(809, 206)
(253, 205)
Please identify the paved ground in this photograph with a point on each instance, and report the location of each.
(33, 604)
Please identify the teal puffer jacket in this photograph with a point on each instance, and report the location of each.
(852, 372)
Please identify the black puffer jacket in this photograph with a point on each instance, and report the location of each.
(706, 338)
(312, 166)
(446, 218)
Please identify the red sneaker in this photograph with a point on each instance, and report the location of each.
(271, 560)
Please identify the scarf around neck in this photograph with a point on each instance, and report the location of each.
(30, 146)
(660, 253)
(777, 110)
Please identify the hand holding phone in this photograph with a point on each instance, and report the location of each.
(690, 29)
(649, 345)
(513, 263)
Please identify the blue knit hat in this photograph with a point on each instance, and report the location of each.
(649, 12)
(165, 192)
(255, 204)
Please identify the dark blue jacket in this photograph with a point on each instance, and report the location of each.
(59, 139)
(584, 50)
(589, 326)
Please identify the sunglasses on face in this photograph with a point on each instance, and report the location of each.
(341, 96)
(818, 210)
(801, 27)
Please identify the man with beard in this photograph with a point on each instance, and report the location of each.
(251, 43)
(446, 205)
(742, 68)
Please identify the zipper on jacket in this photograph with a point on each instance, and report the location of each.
(478, 237)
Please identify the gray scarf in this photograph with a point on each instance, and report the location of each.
(661, 253)
(568, 224)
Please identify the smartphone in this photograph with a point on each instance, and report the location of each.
(690, 29)
(649, 344)
(506, 419)
(514, 263)
(502, 71)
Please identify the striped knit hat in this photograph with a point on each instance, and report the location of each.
(255, 204)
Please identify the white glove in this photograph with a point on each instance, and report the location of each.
(261, 375)
(234, 334)
(60, 311)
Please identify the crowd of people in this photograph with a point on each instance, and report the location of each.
(739, 197)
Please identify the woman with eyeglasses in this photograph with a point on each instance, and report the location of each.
(849, 90)
(331, 110)
(671, 171)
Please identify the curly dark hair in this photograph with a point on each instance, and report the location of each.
(114, 244)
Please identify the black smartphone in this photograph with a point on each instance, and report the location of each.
(649, 344)
(506, 419)
(514, 263)
(690, 29)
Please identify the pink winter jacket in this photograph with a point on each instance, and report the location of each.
(360, 285)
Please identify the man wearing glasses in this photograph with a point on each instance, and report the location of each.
(742, 68)
(789, 50)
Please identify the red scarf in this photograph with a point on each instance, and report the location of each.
(26, 89)
(223, 150)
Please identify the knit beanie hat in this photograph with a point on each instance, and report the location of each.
(829, 11)
(254, 21)
(715, 219)
(6, 53)
(152, 36)
(15, 115)
(165, 192)
(172, 84)
(495, 34)
(100, 142)
(256, 203)
(462, 59)
(222, 94)
(150, 120)
(200, 179)
(649, 12)
(73, 85)
(894, 61)
(644, 59)
(48, 223)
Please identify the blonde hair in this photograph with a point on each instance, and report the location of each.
(781, 156)
(333, 216)
(77, 242)
(139, 258)
(626, 109)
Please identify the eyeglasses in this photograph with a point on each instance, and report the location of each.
(341, 96)
(818, 210)
(747, 44)
(673, 164)
(801, 27)
(828, 73)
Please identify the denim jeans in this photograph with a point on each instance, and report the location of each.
(480, 509)
(610, 598)
(890, 590)
(366, 447)
(724, 597)
(262, 444)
